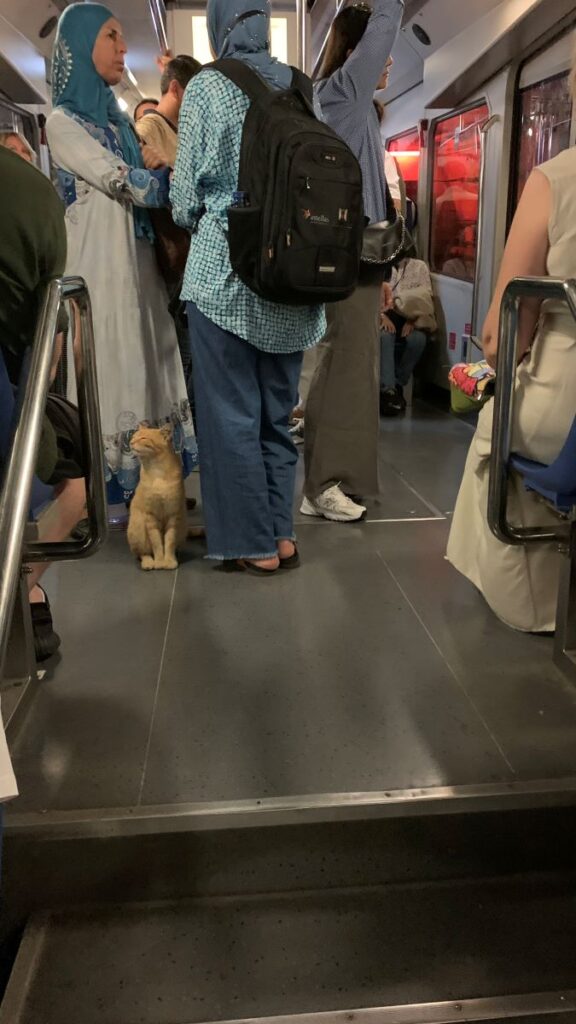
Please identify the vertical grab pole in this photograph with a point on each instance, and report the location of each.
(484, 129)
(302, 31)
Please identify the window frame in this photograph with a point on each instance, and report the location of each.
(421, 150)
(519, 91)
(479, 101)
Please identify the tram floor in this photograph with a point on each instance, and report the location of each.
(374, 667)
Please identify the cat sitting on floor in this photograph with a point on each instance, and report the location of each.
(157, 523)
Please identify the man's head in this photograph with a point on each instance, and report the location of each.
(175, 78)
(144, 105)
(18, 144)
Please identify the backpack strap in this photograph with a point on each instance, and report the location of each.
(245, 77)
(304, 84)
(253, 85)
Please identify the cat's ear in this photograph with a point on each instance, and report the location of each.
(166, 431)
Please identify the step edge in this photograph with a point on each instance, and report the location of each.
(450, 1012)
(297, 810)
(478, 1009)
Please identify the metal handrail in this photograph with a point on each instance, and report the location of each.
(74, 289)
(518, 289)
(19, 474)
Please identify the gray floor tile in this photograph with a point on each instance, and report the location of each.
(85, 737)
(428, 449)
(374, 666)
(509, 675)
(320, 681)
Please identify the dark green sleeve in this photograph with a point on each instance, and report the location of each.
(54, 231)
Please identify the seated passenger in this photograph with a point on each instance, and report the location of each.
(111, 245)
(247, 352)
(407, 319)
(520, 583)
(18, 144)
(33, 252)
(143, 107)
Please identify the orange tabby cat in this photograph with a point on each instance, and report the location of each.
(158, 511)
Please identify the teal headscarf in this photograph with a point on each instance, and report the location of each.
(77, 86)
(241, 29)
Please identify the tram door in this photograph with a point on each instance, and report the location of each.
(454, 212)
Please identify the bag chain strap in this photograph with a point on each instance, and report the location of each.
(396, 252)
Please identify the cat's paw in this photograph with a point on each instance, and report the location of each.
(147, 563)
(170, 563)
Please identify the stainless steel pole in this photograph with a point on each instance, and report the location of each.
(74, 288)
(19, 472)
(484, 129)
(302, 32)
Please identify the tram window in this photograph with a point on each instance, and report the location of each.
(544, 126)
(455, 193)
(406, 151)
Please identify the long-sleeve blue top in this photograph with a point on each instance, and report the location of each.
(347, 101)
(205, 178)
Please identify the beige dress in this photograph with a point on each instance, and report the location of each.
(521, 583)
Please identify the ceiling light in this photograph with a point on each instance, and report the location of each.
(122, 103)
(131, 77)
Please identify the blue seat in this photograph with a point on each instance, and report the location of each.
(556, 482)
(41, 493)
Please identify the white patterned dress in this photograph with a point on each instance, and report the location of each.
(140, 372)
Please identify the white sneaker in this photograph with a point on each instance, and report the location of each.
(333, 504)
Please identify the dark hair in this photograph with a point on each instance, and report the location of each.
(180, 69)
(147, 99)
(347, 30)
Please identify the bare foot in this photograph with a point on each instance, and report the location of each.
(264, 563)
(286, 548)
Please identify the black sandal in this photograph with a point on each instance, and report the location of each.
(292, 562)
(46, 639)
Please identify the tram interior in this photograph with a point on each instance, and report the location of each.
(349, 795)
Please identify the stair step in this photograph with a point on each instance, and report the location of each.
(395, 949)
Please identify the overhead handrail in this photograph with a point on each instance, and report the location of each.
(520, 288)
(19, 473)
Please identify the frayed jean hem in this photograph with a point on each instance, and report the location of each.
(252, 557)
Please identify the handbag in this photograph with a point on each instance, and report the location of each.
(387, 242)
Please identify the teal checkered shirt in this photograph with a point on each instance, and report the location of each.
(205, 177)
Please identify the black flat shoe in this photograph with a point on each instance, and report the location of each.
(46, 640)
(82, 530)
(242, 565)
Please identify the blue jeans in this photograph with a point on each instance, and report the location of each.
(244, 399)
(398, 357)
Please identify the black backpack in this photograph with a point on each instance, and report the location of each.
(298, 239)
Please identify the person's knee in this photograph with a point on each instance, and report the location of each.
(416, 342)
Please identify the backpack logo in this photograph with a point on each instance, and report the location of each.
(315, 218)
